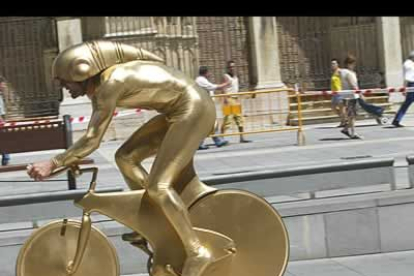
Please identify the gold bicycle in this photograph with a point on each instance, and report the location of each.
(245, 234)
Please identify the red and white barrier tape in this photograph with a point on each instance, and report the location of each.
(73, 120)
(85, 119)
(362, 91)
(5, 124)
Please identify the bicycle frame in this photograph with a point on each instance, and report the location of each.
(136, 210)
(75, 247)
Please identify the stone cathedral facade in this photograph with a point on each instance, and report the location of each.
(269, 52)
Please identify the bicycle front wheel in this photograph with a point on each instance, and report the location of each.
(49, 249)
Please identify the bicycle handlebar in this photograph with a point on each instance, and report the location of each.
(74, 169)
(77, 171)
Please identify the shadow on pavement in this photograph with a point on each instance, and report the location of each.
(335, 139)
(393, 127)
(371, 125)
(333, 127)
(327, 127)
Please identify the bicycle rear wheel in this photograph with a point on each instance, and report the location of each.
(49, 249)
(260, 237)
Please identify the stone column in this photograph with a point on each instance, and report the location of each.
(390, 52)
(265, 66)
(265, 69)
(69, 32)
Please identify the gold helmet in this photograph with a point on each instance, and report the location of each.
(85, 60)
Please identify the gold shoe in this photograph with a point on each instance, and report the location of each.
(133, 237)
(138, 241)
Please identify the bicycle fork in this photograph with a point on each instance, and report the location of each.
(85, 229)
(83, 239)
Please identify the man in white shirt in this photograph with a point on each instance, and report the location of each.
(203, 82)
(408, 70)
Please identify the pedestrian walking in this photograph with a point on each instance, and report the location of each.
(374, 110)
(350, 82)
(203, 81)
(408, 71)
(337, 103)
(232, 105)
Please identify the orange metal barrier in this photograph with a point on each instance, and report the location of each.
(261, 111)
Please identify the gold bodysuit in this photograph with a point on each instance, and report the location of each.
(148, 85)
(187, 116)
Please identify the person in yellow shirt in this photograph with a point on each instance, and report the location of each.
(337, 103)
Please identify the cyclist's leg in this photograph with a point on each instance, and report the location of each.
(142, 144)
(174, 156)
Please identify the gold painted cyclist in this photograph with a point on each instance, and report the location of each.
(114, 75)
